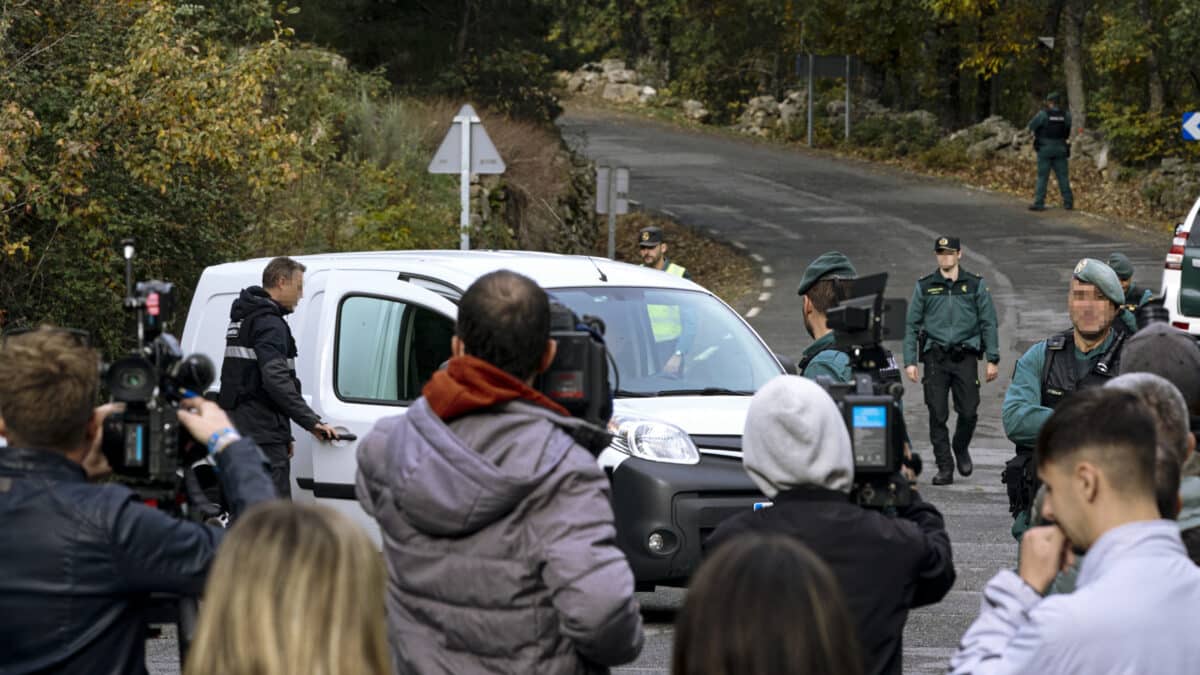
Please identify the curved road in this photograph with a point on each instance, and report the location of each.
(785, 207)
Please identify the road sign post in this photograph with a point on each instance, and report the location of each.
(612, 190)
(829, 67)
(465, 150)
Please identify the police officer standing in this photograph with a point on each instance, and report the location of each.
(1051, 140)
(1135, 296)
(1086, 355)
(259, 386)
(825, 283)
(821, 288)
(951, 324)
(668, 322)
(654, 252)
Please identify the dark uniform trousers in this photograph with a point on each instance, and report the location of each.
(281, 475)
(956, 373)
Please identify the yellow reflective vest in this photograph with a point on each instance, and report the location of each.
(664, 319)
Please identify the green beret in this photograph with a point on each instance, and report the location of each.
(1054, 96)
(1119, 262)
(1092, 271)
(833, 264)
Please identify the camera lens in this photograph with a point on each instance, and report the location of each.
(131, 380)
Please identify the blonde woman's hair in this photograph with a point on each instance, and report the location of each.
(296, 589)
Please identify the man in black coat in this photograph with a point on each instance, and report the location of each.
(797, 450)
(259, 386)
(81, 558)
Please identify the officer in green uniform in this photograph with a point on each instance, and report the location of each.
(1086, 355)
(1051, 140)
(951, 325)
(821, 290)
(1135, 296)
(668, 322)
(823, 286)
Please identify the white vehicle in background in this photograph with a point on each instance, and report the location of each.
(1181, 275)
(373, 327)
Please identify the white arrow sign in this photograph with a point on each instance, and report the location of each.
(1191, 126)
(466, 149)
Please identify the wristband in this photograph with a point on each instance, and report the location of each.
(222, 438)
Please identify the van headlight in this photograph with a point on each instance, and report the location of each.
(654, 440)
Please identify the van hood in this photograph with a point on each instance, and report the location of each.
(696, 415)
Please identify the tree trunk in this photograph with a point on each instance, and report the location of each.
(460, 42)
(1076, 12)
(1153, 70)
(1044, 75)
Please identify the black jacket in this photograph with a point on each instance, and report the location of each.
(259, 386)
(80, 560)
(884, 565)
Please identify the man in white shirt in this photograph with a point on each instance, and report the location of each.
(1135, 606)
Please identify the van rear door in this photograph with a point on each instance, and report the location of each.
(381, 339)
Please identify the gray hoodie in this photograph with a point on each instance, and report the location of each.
(500, 546)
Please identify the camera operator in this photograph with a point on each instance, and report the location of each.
(81, 559)
(497, 526)
(797, 450)
(825, 283)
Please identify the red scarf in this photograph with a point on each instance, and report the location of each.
(469, 383)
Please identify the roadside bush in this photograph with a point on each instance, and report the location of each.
(1142, 138)
(949, 155)
(884, 136)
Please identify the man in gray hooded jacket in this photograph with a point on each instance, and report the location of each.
(497, 528)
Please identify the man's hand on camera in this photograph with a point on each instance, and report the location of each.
(94, 463)
(913, 373)
(324, 432)
(992, 371)
(1043, 554)
(202, 418)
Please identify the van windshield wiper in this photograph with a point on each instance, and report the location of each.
(625, 393)
(706, 391)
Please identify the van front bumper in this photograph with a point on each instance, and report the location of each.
(665, 511)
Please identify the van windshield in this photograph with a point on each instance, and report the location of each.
(674, 342)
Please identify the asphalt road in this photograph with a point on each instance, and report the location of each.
(786, 206)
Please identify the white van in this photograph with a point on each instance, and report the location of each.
(373, 327)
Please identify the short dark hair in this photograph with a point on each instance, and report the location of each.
(825, 293)
(1113, 427)
(764, 604)
(1166, 483)
(504, 319)
(48, 386)
(280, 270)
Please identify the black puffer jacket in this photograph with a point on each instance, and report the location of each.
(259, 386)
(80, 560)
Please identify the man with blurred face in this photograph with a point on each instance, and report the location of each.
(1096, 455)
(1087, 355)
